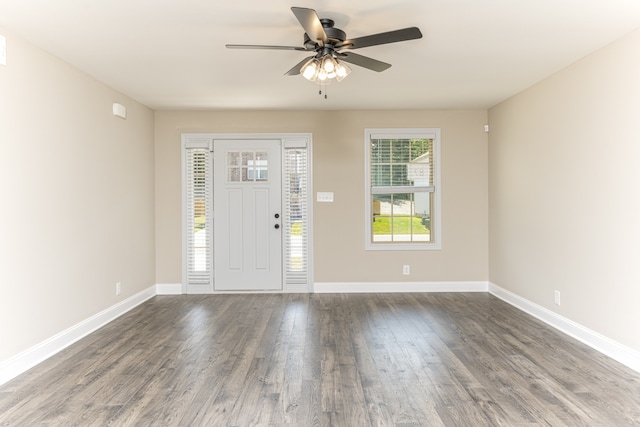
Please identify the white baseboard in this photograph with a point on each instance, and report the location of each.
(386, 287)
(169, 289)
(621, 353)
(24, 361)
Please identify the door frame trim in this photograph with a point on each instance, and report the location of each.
(287, 139)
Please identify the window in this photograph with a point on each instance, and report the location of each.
(402, 189)
(198, 202)
(296, 215)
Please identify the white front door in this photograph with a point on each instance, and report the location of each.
(247, 215)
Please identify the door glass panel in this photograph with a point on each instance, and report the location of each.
(234, 174)
(233, 166)
(260, 166)
(233, 158)
(247, 156)
(247, 166)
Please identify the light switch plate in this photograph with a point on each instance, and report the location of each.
(325, 196)
(3, 50)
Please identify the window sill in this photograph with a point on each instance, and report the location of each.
(403, 247)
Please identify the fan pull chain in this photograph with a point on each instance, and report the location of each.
(325, 90)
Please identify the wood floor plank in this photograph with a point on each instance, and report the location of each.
(446, 359)
(287, 378)
(373, 389)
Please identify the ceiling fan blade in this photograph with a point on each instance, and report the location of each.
(410, 33)
(311, 23)
(296, 70)
(363, 61)
(261, 46)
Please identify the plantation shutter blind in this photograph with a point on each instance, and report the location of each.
(392, 161)
(296, 194)
(199, 210)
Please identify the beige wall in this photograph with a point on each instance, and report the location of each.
(564, 170)
(76, 194)
(338, 163)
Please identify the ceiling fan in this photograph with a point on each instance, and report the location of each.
(332, 48)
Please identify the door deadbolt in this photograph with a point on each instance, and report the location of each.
(277, 216)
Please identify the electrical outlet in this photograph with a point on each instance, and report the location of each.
(556, 297)
(406, 269)
(118, 288)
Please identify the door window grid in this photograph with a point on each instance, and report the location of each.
(247, 166)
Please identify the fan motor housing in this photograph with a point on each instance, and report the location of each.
(334, 35)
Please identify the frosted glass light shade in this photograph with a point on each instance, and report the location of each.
(310, 69)
(342, 71)
(323, 70)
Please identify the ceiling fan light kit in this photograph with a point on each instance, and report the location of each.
(327, 42)
(323, 70)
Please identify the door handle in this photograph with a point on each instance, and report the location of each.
(277, 226)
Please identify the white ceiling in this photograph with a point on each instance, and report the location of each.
(170, 54)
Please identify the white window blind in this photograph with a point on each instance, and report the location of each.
(296, 216)
(199, 221)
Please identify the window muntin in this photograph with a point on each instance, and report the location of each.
(401, 188)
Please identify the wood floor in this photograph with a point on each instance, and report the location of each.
(463, 359)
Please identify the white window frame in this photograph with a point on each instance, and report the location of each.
(436, 217)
